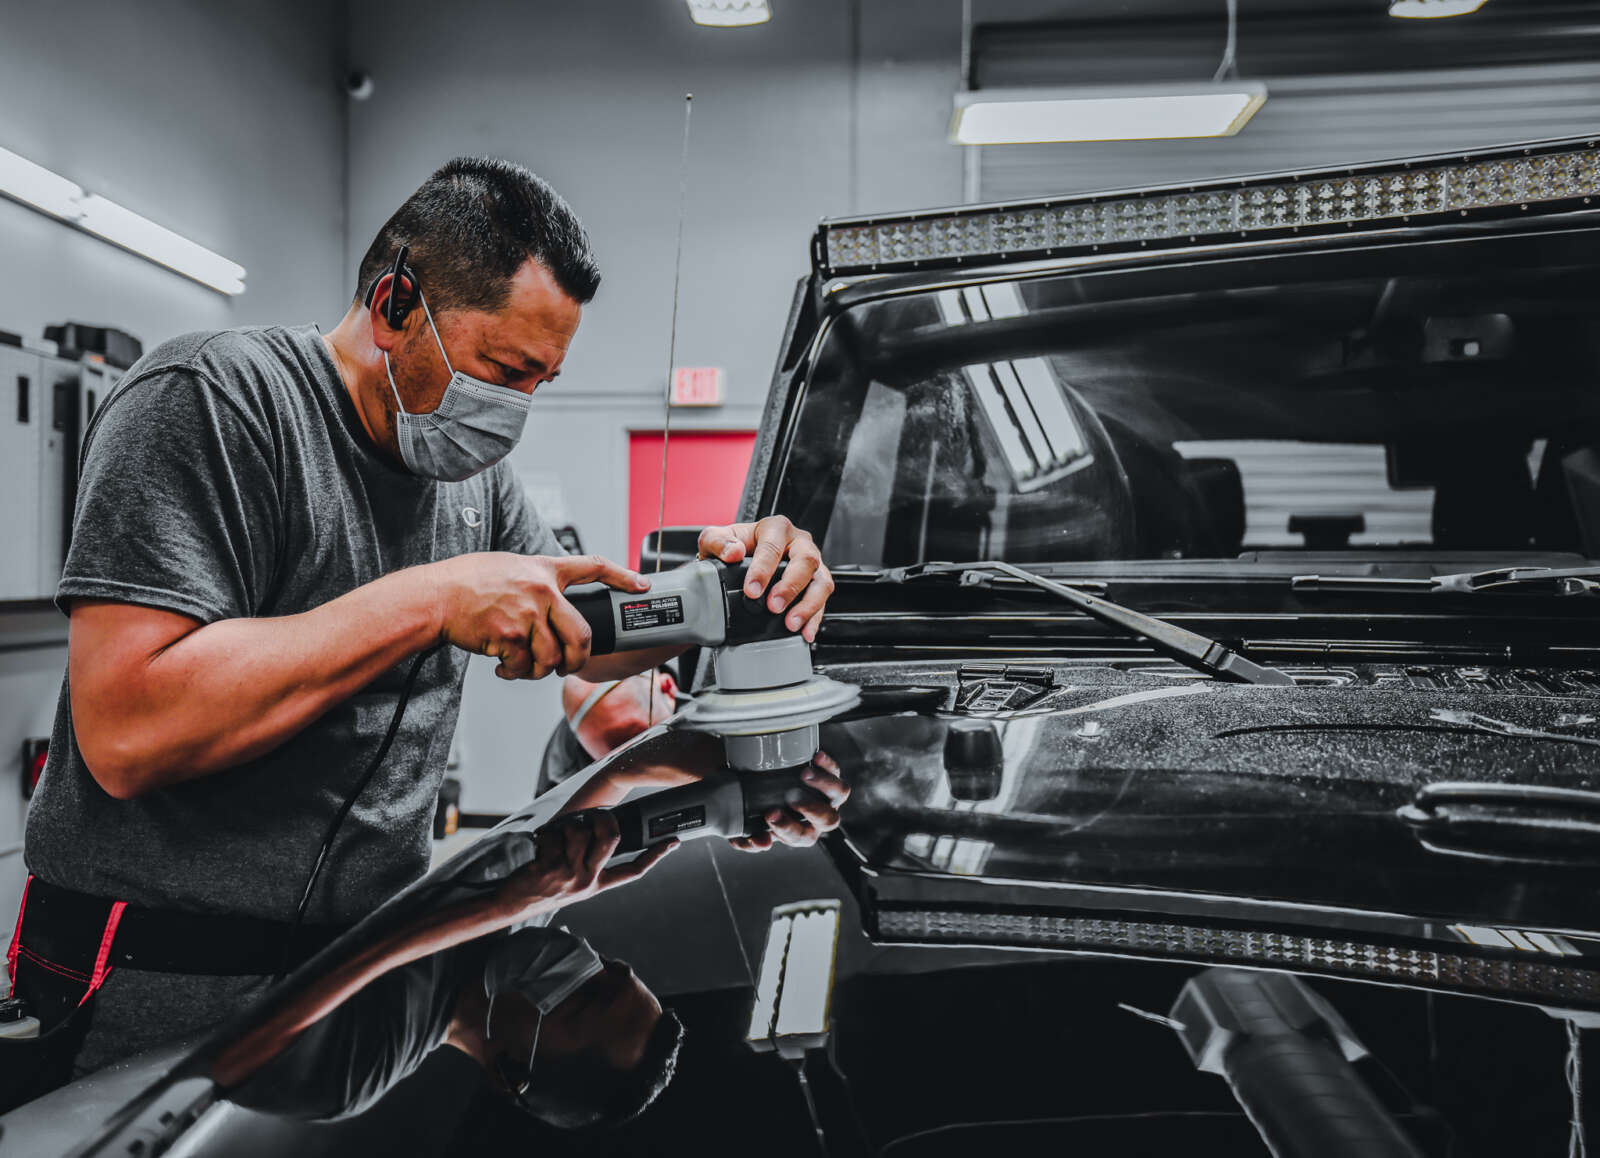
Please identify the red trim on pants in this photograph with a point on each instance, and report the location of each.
(101, 971)
(16, 937)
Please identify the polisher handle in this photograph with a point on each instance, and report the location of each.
(684, 606)
(701, 603)
(725, 804)
(710, 807)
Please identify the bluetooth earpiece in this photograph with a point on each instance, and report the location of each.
(403, 290)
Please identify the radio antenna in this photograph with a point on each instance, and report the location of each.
(672, 338)
(672, 359)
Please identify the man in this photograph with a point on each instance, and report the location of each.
(285, 546)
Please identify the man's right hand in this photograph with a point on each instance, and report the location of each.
(511, 607)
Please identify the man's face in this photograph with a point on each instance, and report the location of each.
(517, 346)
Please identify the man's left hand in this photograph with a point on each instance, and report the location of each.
(767, 544)
(569, 864)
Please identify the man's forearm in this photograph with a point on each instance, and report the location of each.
(232, 690)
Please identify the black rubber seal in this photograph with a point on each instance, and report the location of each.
(593, 601)
(749, 619)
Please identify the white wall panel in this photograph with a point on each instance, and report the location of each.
(224, 122)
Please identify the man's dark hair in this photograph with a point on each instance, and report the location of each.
(471, 226)
(583, 1093)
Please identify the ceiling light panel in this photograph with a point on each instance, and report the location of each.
(1135, 113)
(729, 13)
(1432, 9)
(797, 974)
(1557, 177)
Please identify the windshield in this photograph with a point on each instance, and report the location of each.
(1409, 398)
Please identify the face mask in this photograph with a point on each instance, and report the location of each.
(546, 966)
(474, 426)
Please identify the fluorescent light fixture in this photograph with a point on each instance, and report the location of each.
(1432, 9)
(111, 221)
(1107, 113)
(37, 186)
(729, 13)
(796, 983)
(50, 193)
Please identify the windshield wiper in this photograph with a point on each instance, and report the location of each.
(1559, 581)
(1196, 651)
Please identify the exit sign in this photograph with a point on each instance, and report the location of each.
(698, 386)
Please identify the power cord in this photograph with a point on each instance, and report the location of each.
(349, 802)
(1074, 1119)
(830, 1053)
(1577, 1141)
(811, 1105)
(1228, 66)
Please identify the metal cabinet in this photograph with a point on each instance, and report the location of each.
(58, 464)
(21, 414)
(45, 404)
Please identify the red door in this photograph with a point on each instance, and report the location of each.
(705, 477)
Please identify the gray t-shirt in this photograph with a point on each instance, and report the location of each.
(227, 476)
(345, 1062)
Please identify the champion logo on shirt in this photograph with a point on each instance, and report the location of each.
(472, 516)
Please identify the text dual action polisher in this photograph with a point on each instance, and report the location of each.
(766, 704)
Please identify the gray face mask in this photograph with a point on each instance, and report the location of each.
(474, 426)
(546, 966)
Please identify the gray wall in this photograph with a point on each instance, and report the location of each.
(591, 97)
(223, 122)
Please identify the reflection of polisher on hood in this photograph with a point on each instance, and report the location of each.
(766, 703)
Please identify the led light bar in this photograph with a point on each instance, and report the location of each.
(50, 193)
(1432, 9)
(729, 13)
(1104, 113)
(1528, 977)
(1558, 176)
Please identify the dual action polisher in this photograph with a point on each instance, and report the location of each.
(766, 704)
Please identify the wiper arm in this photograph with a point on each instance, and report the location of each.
(1560, 580)
(1195, 651)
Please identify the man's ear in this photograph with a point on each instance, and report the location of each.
(384, 335)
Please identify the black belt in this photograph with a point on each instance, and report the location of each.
(66, 927)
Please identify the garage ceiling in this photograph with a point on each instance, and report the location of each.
(1347, 82)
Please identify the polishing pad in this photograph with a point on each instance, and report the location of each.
(765, 690)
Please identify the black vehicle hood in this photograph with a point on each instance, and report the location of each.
(1150, 789)
(1395, 725)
